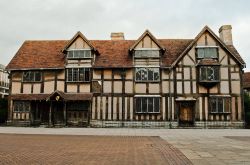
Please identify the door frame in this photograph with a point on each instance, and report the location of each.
(180, 104)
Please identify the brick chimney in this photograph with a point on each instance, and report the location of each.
(117, 36)
(226, 34)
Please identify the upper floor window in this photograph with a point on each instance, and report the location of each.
(21, 106)
(147, 74)
(219, 104)
(209, 73)
(147, 53)
(147, 104)
(82, 53)
(32, 76)
(78, 74)
(207, 52)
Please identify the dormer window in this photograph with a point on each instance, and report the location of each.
(207, 52)
(147, 53)
(79, 53)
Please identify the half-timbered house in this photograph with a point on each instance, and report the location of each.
(148, 82)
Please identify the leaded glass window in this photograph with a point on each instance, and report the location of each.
(86, 53)
(78, 74)
(207, 52)
(209, 73)
(21, 106)
(147, 74)
(146, 53)
(32, 76)
(147, 104)
(219, 104)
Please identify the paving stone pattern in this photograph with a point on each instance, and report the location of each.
(66, 149)
(200, 146)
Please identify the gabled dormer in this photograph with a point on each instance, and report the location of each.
(146, 46)
(80, 56)
(79, 48)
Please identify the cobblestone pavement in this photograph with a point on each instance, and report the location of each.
(200, 146)
(65, 149)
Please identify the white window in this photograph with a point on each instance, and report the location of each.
(146, 53)
(147, 74)
(82, 53)
(207, 52)
(147, 104)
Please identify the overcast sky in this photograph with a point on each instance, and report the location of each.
(60, 19)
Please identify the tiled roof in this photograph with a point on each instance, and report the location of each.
(112, 53)
(174, 47)
(246, 80)
(29, 96)
(48, 54)
(236, 53)
(39, 54)
(208, 62)
(70, 96)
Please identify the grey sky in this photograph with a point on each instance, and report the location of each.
(60, 19)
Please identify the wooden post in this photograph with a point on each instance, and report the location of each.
(50, 109)
(64, 113)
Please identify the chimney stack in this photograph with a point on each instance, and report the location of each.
(225, 32)
(117, 36)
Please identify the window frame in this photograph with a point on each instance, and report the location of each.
(207, 47)
(226, 101)
(76, 77)
(77, 106)
(216, 70)
(144, 99)
(147, 68)
(75, 50)
(34, 76)
(22, 106)
(147, 49)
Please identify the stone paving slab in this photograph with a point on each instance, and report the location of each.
(86, 149)
(200, 146)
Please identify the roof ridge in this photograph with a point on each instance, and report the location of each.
(43, 40)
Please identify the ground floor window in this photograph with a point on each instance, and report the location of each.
(147, 104)
(21, 106)
(77, 106)
(219, 104)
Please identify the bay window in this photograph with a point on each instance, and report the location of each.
(147, 74)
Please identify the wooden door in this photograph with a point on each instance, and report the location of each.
(186, 113)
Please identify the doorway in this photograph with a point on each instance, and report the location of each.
(186, 113)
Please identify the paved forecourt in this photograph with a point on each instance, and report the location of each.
(200, 146)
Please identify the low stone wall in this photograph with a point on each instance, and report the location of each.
(132, 124)
(164, 124)
(220, 124)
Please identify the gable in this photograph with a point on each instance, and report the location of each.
(79, 43)
(146, 42)
(208, 38)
